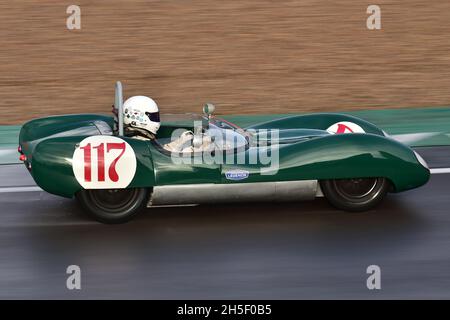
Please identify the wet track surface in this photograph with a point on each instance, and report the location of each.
(290, 251)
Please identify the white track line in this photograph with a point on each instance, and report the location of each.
(439, 170)
(20, 189)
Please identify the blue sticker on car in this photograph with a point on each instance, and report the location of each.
(236, 174)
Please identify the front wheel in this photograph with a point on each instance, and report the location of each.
(359, 194)
(113, 205)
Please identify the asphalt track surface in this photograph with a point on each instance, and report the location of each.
(245, 251)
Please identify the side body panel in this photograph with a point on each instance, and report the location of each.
(173, 169)
(52, 165)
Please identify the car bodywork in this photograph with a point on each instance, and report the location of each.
(307, 153)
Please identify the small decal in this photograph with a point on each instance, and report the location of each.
(345, 127)
(236, 174)
(104, 162)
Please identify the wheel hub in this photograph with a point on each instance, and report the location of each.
(356, 188)
(113, 200)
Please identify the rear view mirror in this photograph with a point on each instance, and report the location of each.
(208, 109)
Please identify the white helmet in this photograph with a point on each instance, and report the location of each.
(141, 112)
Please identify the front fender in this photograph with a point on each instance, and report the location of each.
(344, 156)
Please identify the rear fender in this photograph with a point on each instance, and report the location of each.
(321, 121)
(37, 130)
(52, 165)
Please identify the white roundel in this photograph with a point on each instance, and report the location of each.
(104, 162)
(345, 127)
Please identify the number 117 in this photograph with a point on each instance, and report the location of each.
(112, 173)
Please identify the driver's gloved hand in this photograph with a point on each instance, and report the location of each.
(186, 136)
(179, 144)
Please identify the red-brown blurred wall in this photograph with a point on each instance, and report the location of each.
(245, 56)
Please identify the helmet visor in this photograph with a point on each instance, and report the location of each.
(153, 116)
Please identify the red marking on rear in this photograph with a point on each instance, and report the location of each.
(342, 128)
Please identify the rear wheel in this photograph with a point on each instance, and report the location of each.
(113, 205)
(358, 194)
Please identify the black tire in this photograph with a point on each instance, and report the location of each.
(355, 195)
(113, 205)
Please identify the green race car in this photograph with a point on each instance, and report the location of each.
(91, 157)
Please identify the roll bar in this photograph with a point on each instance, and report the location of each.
(118, 104)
